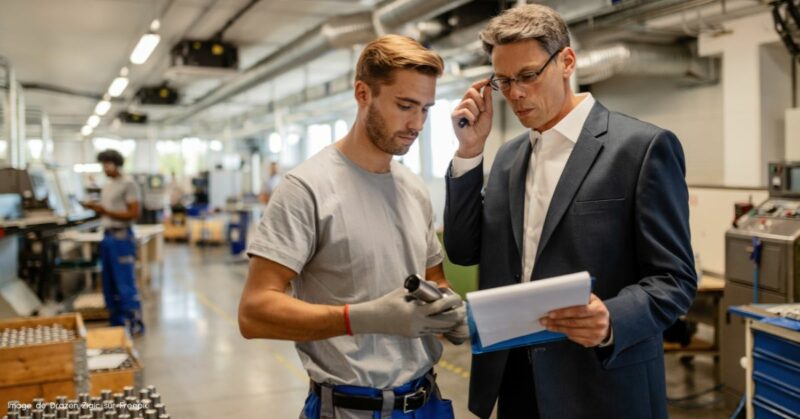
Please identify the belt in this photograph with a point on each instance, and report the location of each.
(406, 402)
(115, 229)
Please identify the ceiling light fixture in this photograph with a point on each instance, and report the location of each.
(118, 86)
(147, 44)
(102, 107)
(93, 121)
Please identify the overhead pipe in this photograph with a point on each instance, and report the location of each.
(630, 59)
(337, 32)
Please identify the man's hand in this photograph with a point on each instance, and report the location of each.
(94, 207)
(587, 325)
(394, 314)
(476, 108)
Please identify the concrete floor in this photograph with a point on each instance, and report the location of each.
(194, 355)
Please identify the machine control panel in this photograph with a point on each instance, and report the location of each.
(779, 208)
(775, 216)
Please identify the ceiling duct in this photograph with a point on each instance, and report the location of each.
(629, 59)
(399, 12)
(337, 32)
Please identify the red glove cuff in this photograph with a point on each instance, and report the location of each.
(347, 319)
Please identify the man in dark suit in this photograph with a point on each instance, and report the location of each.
(584, 189)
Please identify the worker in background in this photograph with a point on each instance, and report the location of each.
(176, 193)
(270, 184)
(119, 208)
(584, 189)
(345, 228)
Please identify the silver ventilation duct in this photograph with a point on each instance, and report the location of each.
(601, 63)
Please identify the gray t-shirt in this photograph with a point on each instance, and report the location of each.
(115, 196)
(353, 236)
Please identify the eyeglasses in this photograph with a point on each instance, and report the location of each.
(527, 78)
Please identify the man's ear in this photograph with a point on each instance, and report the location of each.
(362, 93)
(568, 55)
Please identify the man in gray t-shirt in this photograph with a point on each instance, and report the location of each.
(119, 208)
(345, 228)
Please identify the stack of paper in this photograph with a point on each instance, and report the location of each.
(510, 312)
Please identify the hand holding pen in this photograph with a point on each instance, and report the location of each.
(472, 119)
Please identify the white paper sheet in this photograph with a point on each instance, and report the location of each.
(106, 361)
(512, 311)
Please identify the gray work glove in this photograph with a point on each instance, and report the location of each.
(460, 333)
(394, 314)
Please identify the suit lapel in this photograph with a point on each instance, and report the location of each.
(580, 161)
(516, 190)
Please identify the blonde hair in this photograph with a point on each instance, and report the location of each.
(527, 22)
(381, 57)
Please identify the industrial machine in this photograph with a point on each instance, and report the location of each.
(762, 262)
(154, 197)
(36, 205)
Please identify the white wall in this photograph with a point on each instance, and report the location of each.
(710, 215)
(693, 113)
(793, 134)
(743, 80)
(776, 94)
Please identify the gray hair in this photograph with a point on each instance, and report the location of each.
(527, 22)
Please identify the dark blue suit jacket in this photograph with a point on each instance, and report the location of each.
(619, 211)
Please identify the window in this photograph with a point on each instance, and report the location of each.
(275, 143)
(412, 159)
(124, 147)
(339, 129)
(35, 148)
(194, 152)
(443, 139)
(290, 155)
(318, 137)
(169, 156)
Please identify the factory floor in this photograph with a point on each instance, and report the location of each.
(194, 355)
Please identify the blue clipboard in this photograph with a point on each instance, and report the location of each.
(537, 338)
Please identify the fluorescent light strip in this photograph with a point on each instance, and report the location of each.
(93, 121)
(102, 107)
(147, 44)
(118, 86)
(86, 131)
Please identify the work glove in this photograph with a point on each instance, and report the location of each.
(460, 332)
(395, 314)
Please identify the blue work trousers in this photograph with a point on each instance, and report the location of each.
(118, 257)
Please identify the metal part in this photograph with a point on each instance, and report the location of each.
(421, 289)
(56, 333)
(91, 408)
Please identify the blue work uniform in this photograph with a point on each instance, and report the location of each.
(118, 255)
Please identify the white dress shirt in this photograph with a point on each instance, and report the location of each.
(550, 151)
